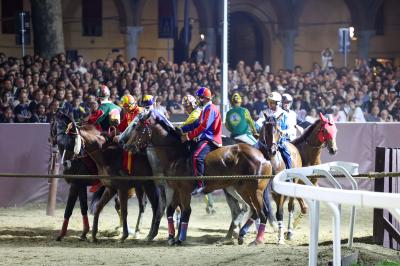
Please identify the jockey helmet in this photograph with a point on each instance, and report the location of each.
(274, 96)
(204, 92)
(128, 101)
(104, 92)
(236, 98)
(189, 100)
(287, 98)
(147, 101)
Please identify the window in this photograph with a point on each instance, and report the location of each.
(380, 21)
(92, 17)
(9, 10)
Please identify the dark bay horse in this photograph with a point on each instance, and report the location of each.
(268, 145)
(153, 129)
(108, 159)
(321, 134)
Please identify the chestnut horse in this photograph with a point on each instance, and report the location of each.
(171, 155)
(108, 159)
(268, 145)
(321, 134)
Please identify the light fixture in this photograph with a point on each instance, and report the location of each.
(202, 37)
(352, 33)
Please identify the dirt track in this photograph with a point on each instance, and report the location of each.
(27, 237)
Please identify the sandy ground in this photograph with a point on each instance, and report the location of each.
(27, 237)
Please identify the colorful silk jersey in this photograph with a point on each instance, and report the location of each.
(192, 121)
(107, 114)
(210, 126)
(239, 122)
(128, 118)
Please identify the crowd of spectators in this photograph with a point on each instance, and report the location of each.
(33, 88)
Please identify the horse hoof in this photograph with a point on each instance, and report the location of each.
(178, 243)
(83, 237)
(171, 241)
(240, 240)
(58, 238)
(281, 241)
(95, 240)
(136, 235)
(255, 243)
(289, 236)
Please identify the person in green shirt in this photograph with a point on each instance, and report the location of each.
(239, 122)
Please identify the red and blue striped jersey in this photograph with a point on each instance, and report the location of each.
(210, 125)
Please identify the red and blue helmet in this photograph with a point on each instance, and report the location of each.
(203, 92)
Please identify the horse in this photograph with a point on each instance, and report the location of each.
(82, 165)
(268, 145)
(322, 133)
(170, 158)
(108, 159)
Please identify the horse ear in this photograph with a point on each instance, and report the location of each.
(322, 117)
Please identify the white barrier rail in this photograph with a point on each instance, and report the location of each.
(332, 197)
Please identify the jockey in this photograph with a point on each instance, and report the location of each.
(106, 116)
(240, 123)
(131, 110)
(108, 113)
(287, 101)
(207, 135)
(190, 104)
(276, 111)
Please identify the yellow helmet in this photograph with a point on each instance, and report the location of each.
(236, 98)
(128, 101)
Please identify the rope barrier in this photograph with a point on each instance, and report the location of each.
(371, 175)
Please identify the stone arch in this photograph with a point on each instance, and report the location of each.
(263, 24)
(70, 7)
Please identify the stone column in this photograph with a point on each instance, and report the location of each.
(211, 40)
(47, 26)
(132, 40)
(363, 38)
(288, 38)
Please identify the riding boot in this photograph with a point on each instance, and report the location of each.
(199, 188)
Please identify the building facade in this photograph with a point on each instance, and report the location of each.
(277, 33)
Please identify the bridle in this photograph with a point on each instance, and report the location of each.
(262, 142)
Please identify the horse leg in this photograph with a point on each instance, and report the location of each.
(105, 198)
(84, 209)
(142, 205)
(209, 203)
(280, 200)
(123, 200)
(153, 194)
(171, 226)
(304, 211)
(290, 232)
(260, 207)
(72, 197)
(185, 216)
(237, 213)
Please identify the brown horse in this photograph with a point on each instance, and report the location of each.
(270, 136)
(171, 159)
(72, 165)
(108, 159)
(321, 134)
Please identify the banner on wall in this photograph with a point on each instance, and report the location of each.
(166, 19)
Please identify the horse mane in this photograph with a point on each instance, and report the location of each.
(307, 132)
(165, 123)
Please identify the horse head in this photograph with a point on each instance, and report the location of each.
(327, 133)
(270, 135)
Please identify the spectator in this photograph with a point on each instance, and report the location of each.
(8, 115)
(22, 113)
(374, 115)
(40, 115)
(175, 106)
